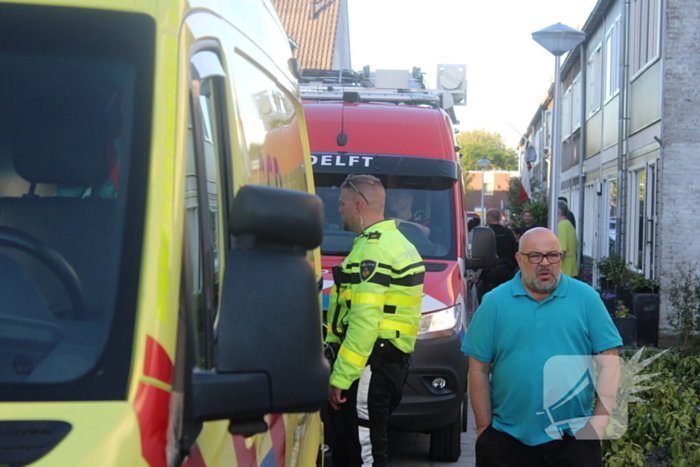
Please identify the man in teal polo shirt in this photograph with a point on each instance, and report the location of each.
(531, 339)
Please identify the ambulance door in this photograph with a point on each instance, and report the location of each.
(206, 186)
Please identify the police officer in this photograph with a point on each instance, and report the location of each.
(373, 319)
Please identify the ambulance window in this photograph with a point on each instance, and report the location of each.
(268, 117)
(205, 186)
(76, 94)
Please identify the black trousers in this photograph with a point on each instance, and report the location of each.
(498, 449)
(360, 424)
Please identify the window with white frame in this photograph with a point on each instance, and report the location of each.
(612, 60)
(488, 183)
(566, 114)
(537, 141)
(594, 80)
(611, 220)
(637, 215)
(645, 25)
(590, 213)
(547, 129)
(576, 103)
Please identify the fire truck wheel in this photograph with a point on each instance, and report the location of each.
(445, 443)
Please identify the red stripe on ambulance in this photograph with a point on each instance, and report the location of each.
(152, 405)
(245, 457)
(195, 459)
(279, 438)
(157, 363)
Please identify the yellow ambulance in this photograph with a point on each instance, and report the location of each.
(159, 265)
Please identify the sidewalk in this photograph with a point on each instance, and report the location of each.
(412, 449)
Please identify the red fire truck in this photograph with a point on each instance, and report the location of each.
(406, 139)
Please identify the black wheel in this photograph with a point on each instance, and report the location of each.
(445, 443)
(13, 238)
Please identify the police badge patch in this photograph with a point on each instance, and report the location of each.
(367, 269)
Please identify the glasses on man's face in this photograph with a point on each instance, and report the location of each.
(358, 191)
(535, 257)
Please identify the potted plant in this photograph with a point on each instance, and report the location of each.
(626, 324)
(609, 301)
(645, 306)
(615, 274)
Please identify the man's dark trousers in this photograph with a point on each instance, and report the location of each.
(497, 449)
(360, 425)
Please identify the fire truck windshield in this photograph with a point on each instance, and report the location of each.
(420, 206)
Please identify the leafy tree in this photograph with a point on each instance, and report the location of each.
(482, 144)
(537, 202)
(467, 178)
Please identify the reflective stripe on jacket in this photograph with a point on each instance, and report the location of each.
(377, 294)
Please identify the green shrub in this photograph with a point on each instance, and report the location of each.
(614, 269)
(684, 295)
(666, 423)
(639, 283)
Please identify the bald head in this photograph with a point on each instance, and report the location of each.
(539, 237)
(369, 189)
(362, 200)
(539, 259)
(493, 216)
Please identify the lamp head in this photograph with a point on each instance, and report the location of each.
(558, 38)
(483, 163)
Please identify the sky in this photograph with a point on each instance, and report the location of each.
(508, 73)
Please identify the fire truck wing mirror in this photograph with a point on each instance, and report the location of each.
(483, 249)
(269, 352)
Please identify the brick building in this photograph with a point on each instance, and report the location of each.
(495, 191)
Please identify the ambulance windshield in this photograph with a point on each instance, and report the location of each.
(69, 133)
(422, 208)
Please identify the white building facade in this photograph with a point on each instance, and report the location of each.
(631, 136)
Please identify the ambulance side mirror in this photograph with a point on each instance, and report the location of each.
(483, 253)
(269, 351)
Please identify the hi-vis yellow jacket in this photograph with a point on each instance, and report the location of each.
(377, 294)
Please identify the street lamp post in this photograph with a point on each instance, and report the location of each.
(483, 163)
(556, 39)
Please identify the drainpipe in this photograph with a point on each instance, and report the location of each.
(582, 152)
(623, 128)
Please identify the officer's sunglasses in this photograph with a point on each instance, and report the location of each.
(358, 191)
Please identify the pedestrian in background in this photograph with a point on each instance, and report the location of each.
(540, 314)
(569, 214)
(506, 247)
(373, 318)
(529, 221)
(567, 240)
(517, 232)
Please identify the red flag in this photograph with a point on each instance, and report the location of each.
(524, 184)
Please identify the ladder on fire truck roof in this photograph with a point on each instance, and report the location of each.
(384, 86)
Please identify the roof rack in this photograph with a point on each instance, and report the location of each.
(390, 79)
(352, 96)
(382, 86)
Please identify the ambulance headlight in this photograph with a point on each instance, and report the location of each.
(440, 323)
